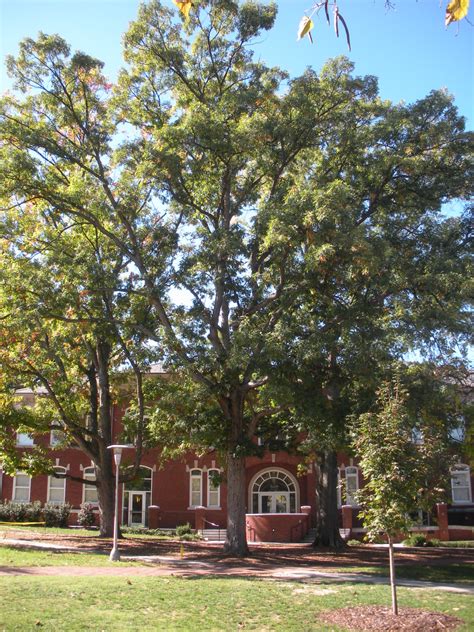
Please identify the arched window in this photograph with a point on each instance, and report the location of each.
(21, 488)
(461, 484)
(57, 487)
(213, 488)
(274, 491)
(195, 488)
(90, 494)
(137, 498)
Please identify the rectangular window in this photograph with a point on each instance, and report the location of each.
(90, 491)
(461, 484)
(21, 488)
(213, 488)
(57, 437)
(352, 485)
(24, 439)
(195, 488)
(57, 488)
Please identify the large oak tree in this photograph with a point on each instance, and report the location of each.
(210, 173)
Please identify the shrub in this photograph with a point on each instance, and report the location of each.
(11, 511)
(56, 515)
(418, 539)
(86, 515)
(354, 543)
(145, 531)
(183, 529)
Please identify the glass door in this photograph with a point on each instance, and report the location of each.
(274, 502)
(136, 508)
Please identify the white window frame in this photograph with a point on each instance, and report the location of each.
(24, 440)
(127, 491)
(52, 440)
(339, 487)
(16, 486)
(60, 470)
(464, 470)
(214, 490)
(293, 488)
(90, 475)
(353, 473)
(193, 475)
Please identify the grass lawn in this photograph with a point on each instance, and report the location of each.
(5, 528)
(452, 574)
(173, 603)
(10, 556)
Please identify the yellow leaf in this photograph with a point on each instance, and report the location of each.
(306, 24)
(456, 10)
(184, 6)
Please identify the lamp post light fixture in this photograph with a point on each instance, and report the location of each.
(117, 449)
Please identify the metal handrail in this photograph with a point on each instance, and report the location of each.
(213, 524)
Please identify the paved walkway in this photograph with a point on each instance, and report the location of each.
(156, 565)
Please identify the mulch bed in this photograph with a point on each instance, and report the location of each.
(381, 619)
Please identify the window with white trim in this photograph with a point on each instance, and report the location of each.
(351, 486)
(57, 437)
(274, 491)
(461, 483)
(90, 494)
(195, 488)
(57, 487)
(21, 488)
(24, 439)
(213, 488)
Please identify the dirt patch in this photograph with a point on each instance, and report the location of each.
(381, 619)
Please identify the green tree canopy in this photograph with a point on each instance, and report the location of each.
(232, 192)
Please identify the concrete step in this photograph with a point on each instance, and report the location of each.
(309, 537)
(214, 535)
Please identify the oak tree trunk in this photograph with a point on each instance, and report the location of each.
(106, 493)
(236, 540)
(327, 518)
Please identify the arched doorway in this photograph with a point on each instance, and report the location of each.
(274, 491)
(137, 499)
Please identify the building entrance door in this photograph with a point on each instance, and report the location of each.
(136, 508)
(274, 502)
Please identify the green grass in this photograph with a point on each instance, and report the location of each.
(5, 528)
(13, 557)
(454, 573)
(88, 533)
(173, 603)
(451, 574)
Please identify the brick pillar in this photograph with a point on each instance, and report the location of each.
(347, 520)
(442, 515)
(306, 509)
(154, 517)
(199, 518)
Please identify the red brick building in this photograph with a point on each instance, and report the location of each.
(281, 505)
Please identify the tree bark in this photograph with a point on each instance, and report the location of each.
(327, 519)
(236, 540)
(393, 584)
(106, 493)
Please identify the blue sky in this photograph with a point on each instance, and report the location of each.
(407, 48)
